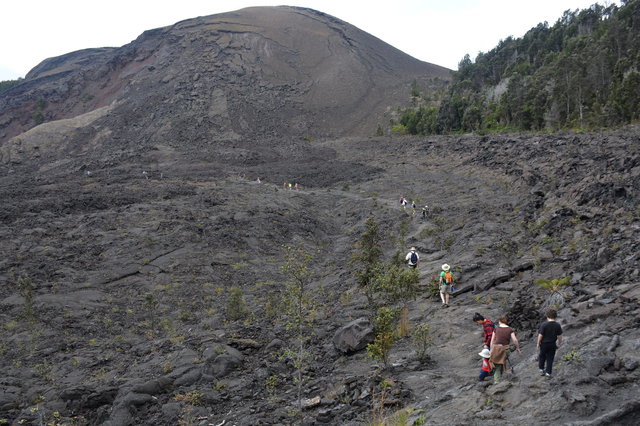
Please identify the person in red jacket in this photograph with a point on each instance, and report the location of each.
(487, 329)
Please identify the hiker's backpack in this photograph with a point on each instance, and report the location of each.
(448, 277)
(414, 258)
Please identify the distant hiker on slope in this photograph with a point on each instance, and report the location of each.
(425, 212)
(446, 282)
(403, 202)
(412, 258)
(413, 208)
(487, 329)
(485, 370)
(549, 333)
(502, 336)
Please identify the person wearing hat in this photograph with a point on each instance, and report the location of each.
(446, 281)
(412, 258)
(485, 370)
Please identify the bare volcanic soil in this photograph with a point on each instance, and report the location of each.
(149, 290)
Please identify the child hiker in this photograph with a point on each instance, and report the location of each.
(485, 370)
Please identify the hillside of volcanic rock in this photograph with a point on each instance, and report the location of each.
(141, 278)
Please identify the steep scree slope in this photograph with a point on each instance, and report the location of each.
(118, 288)
(259, 72)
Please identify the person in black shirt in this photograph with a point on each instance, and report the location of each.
(549, 339)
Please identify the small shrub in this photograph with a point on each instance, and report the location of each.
(554, 286)
(385, 337)
(26, 288)
(422, 339)
(193, 398)
(236, 308)
(573, 356)
(433, 287)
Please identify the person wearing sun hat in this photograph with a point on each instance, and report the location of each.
(485, 370)
(446, 281)
(412, 258)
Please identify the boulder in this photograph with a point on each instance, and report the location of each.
(596, 364)
(221, 365)
(212, 352)
(497, 277)
(134, 399)
(354, 336)
(188, 378)
(154, 387)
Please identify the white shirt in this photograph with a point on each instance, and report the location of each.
(408, 257)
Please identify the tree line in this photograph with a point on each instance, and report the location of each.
(581, 73)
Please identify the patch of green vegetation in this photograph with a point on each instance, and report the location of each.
(554, 286)
(573, 356)
(422, 340)
(236, 308)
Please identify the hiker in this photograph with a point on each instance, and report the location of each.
(446, 282)
(412, 258)
(549, 339)
(485, 370)
(500, 351)
(403, 202)
(413, 208)
(487, 329)
(425, 211)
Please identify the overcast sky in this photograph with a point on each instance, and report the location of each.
(436, 31)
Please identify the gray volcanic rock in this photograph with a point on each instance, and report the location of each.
(141, 277)
(354, 336)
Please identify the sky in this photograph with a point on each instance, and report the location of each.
(436, 31)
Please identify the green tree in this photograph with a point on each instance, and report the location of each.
(422, 340)
(384, 327)
(236, 308)
(8, 84)
(582, 72)
(368, 258)
(299, 309)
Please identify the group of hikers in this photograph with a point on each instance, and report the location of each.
(291, 186)
(404, 202)
(497, 338)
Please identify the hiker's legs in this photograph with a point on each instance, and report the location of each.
(444, 293)
(549, 350)
(482, 375)
(497, 373)
(542, 358)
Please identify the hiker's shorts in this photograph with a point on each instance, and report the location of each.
(445, 288)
